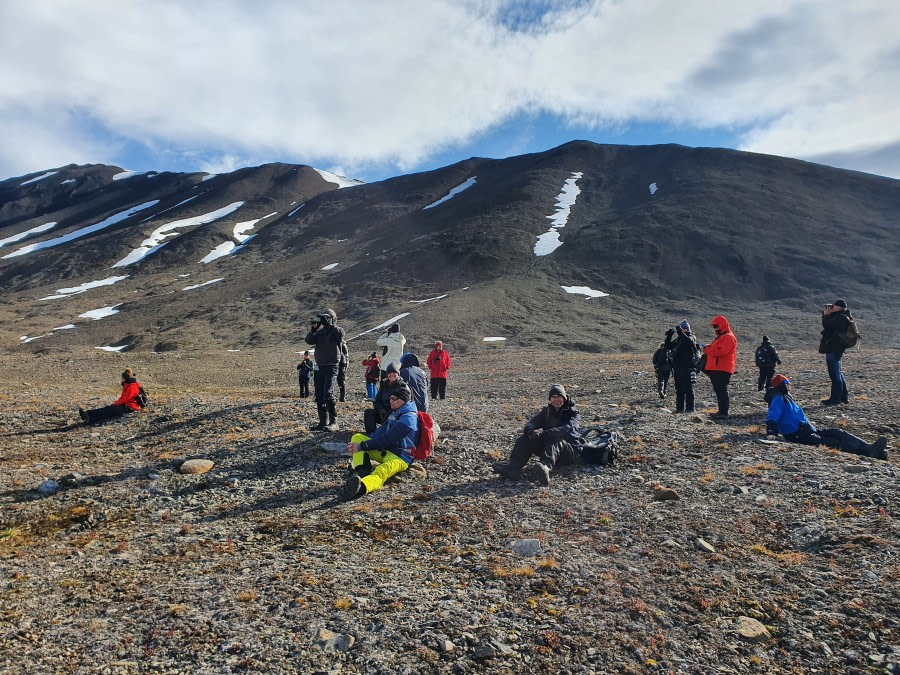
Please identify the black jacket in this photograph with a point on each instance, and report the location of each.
(562, 425)
(683, 350)
(832, 325)
(327, 340)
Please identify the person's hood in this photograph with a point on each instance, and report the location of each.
(408, 360)
(722, 322)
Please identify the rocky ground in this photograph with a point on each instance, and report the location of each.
(763, 558)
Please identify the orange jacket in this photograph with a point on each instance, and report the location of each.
(721, 353)
(129, 395)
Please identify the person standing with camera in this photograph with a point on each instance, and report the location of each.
(327, 337)
(836, 319)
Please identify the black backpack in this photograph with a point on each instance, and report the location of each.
(599, 446)
(142, 397)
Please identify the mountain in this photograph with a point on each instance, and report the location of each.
(240, 260)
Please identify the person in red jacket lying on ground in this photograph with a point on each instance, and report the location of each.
(126, 403)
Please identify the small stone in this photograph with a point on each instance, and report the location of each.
(665, 495)
(872, 577)
(856, 468)
(527, 547)
(671, 543)
(485, 650)
(752, 630)
(702, 545)
(195, 466)
(826, 650)
(446, 646)
(70, 479)
(742, 490)
(416, 470)
(761, 499)
(332, 446)
(152, 476)
(330, 641)
(47, 488)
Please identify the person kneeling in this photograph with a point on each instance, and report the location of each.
(126, 403)
(552, 435)
(391, 445)
(788, 418)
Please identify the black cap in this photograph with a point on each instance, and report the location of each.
(840, 302)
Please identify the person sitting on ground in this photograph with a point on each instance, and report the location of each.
(438, 362)
(766, 360)
(788, 418)
(381, 406)
(393, 343)
(416, 379)
(390, 446)
(372, 375)
(552, 435)
(684, 350)
(662, 364)
(126, 403)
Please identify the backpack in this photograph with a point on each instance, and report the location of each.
(425, 440)
(142, 397)
(599, 446)
(850, 337)
(765, 356)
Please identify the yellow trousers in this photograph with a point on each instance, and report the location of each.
(389, 464)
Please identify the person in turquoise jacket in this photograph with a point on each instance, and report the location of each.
(788, 419)
(391, 446)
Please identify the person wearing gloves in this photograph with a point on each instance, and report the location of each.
(836, 319)
(390, 446)
(126, 403)
(438, 363)
(327, 337)
(721, 358)
(788, 419)
(552, 435)
(372, 375)
(684, 352)
(393, 342)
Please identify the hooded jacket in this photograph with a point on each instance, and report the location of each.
(785, 415)
(416, 379)
(683, 349)
(395, 343)
(438, 362)
(721, 353)
(327, 340)
(832, 325)
(559, 425)
(397, 434)
(130, 389)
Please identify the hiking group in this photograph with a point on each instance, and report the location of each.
(398, 429)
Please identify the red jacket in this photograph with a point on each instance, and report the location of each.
(129, 395)
(372, 369)
(721, 353)
(439, 363)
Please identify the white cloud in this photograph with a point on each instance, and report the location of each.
(226, 84)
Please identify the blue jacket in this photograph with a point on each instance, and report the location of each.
(786, 415)
(416, 379)
(397, 434)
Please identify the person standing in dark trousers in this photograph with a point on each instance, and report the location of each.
(327, 337)
(438, 362)
(721, 359)
(684, 351)
(342, 372)
(788, 418)
(304, 372)
(552, 435)
(836, 319)
(766, 360)
(662, 364)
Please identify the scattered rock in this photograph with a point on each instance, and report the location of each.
(857, 468)
(329, 641)
(195, 466)
(742, 490)
(70, 479)
(527, 547)
(47, 488)
(665, 495)
(333, 446)
(702, 545)
(752, 630)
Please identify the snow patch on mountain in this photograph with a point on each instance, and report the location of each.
(455, 191)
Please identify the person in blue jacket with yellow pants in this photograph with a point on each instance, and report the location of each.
(391, 445)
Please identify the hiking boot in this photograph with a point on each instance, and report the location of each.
(542, 473)
(332, 425)
(507, 471)
(82, 413)
(353, 488)
(878, 449)
(323, 419)
(828, 401)
(718, 416)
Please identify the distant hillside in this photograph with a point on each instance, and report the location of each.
(469, 251)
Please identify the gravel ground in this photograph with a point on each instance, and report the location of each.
(764, 558)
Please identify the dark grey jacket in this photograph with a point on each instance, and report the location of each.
(327, 340)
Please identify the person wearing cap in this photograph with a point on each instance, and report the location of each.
(662, 365)
(416, 379)
(126, 403)
(684, 351)
(327, 337)
(393, 343)
(381, 406)
(438, 363)
(836, 319)
(390, 445)
(552, 435)
(766, 360)
(304, 371)
(372, 375)
(788, 419)
(721, 359)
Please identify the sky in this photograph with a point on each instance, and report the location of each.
(371, 89)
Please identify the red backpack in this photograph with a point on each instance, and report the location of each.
(425, 441)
